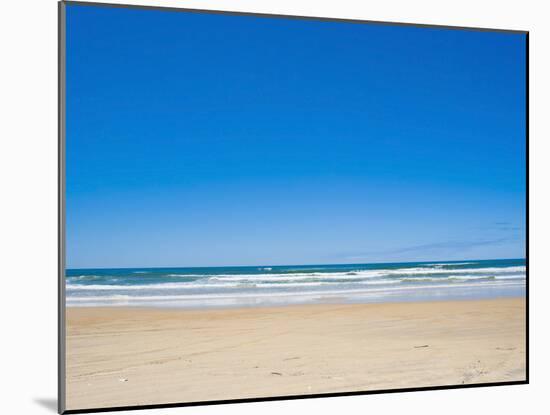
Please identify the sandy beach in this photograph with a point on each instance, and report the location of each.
(138, 356)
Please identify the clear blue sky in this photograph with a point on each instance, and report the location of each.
(205, 140)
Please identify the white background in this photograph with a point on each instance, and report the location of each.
(28, 235)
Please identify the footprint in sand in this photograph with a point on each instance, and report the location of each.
(474, 371)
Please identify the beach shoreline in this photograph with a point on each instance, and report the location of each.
(119, 356)
(252, 286)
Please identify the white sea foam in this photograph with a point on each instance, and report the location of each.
(421, 270)
(226, 295)
(185, 275)
(298, 293)
(352, 278)
(83, 277)
(299, 276)
(266, 285)
(452, 278)
(165, 286)
(357, 273)
(510, 277)
(244, 284)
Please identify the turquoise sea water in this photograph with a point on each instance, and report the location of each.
(295, 284)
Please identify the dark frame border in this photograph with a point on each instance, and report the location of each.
(61, 209)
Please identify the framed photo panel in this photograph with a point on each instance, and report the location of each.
(259, 207)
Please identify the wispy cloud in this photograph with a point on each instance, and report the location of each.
(456, 245)
(501, 226)
(445, 246)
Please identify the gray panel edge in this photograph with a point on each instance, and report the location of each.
(61, 330)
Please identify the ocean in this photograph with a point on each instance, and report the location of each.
(295, 284)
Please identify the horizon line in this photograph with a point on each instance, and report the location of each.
(302, 265)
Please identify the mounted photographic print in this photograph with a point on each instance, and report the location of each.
(259, 207)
